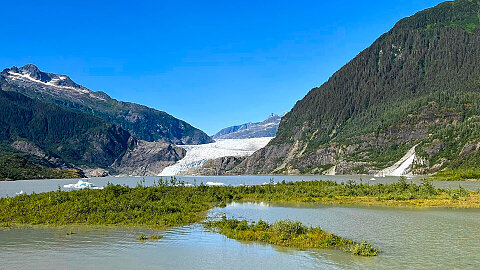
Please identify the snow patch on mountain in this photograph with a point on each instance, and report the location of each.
(31, 76)
(197, 155)
(266, 128)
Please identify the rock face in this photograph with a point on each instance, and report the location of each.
(142, 122)
(148, 158)
(416, 84)
(33, 150)
(98, 172)
(218, 166)
(266, 128)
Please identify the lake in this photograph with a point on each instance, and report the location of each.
(407, 238)
(10, 188)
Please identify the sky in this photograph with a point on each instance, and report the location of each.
(211, 63)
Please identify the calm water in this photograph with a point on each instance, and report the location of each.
(409, 239)
(29, 186)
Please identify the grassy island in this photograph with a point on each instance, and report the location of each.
(168, 204)
(287, 233)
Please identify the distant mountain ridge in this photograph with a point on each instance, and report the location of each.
(143, 122)
(266, 128)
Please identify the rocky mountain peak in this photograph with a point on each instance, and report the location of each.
(32, 72)
(143, 122)
(266, 128)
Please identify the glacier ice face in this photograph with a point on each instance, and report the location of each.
(197, 155)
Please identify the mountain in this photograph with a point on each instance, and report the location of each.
(417, 87)
(43, 140)
(266, 128)
(142, 122)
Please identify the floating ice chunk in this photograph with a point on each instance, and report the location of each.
(81, 185)
(373, 179)
(214, 184)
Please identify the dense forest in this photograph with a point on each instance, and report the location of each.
(417, 83)
(49, 132)
(16, 166)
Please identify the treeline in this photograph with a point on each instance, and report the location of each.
(17, 167)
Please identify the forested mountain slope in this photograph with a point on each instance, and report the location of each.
(36, 138)
(419, 83)
(143, 122)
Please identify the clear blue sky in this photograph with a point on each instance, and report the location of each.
(211, 63)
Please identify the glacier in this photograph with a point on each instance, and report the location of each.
(197, 155)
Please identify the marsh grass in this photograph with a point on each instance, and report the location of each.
(169, 204)
(363, 249)
(287, 233)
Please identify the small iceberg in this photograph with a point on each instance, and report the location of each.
(81, 185)
(214, 184)
(20, 193)
(373, 179)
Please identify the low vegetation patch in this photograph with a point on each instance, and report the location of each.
(287, 233)
(169, 204)
(152, 237)
(457, 175)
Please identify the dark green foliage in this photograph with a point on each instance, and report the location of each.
(286, 233)
(162, 206)
(458, 175)
(16, 167)
(458, 152)
(75, 137)
(324, 189)
(432, 56)
(461, 13)
(364, 249)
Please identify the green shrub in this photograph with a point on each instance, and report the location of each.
(364, 249)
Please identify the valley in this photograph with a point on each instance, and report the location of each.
(377, 166)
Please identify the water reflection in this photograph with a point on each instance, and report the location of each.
(407, 238)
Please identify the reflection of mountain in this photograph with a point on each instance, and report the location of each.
(266, 128)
